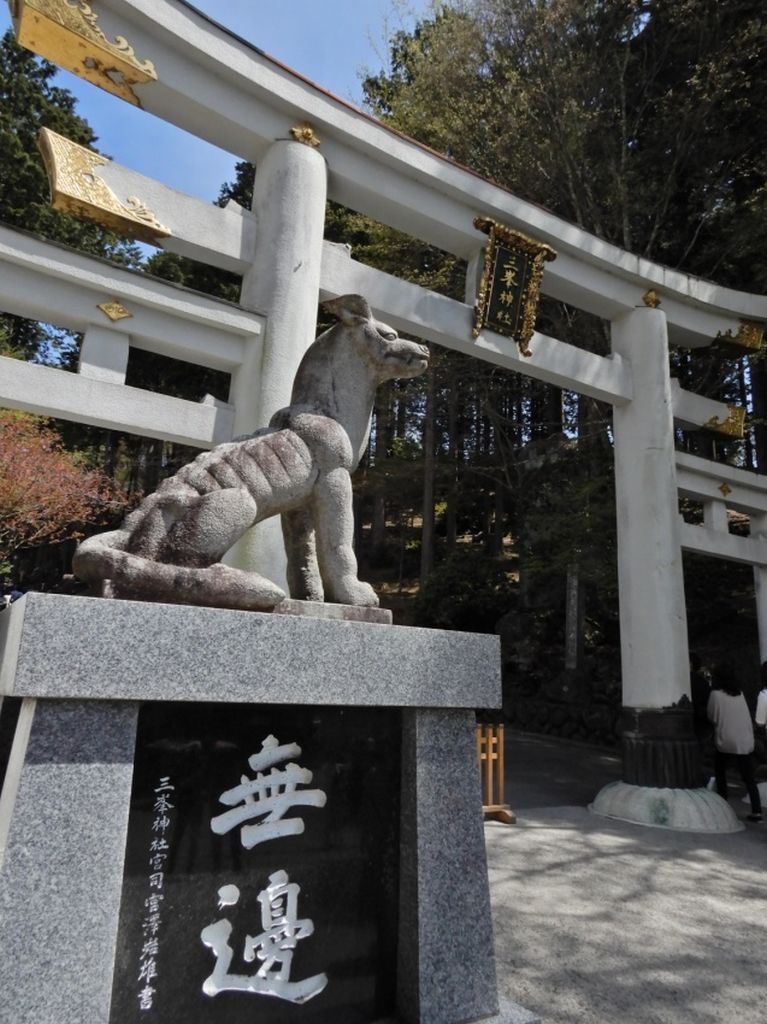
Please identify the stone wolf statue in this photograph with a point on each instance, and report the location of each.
(170, 547)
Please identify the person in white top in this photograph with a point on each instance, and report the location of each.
(733, 736)
(761, 702)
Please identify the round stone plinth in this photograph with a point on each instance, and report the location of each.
(685, 810)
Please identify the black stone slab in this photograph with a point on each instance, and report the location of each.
(9, 717)
(345, 862)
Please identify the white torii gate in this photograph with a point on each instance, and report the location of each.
(308, 146)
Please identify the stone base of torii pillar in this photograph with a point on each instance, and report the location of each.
(661, 777)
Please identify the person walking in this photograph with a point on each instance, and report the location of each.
(733, 736)
(700, 690)
(761, 702)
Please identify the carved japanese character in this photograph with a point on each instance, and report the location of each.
(268, 796)
(274, 946)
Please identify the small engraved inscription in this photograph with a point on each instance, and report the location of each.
(150, 926)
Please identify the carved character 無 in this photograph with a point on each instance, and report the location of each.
(170, 547)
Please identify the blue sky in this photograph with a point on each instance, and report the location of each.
(328, 41)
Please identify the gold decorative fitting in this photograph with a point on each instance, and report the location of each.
(114, 310)
(510, 286)
(77, 189)
(725, 489)
(305, 133)
(733, 426)
(748, 338)
(650, 298)
(67, 33)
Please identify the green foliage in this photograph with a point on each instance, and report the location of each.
(566, 507)
(467, 591)
(639, 120)
(180, 270)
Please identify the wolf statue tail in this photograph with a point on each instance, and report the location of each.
(103, 562)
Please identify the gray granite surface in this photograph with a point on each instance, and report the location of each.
(508, 1013)
(80, 647)
(328, 610)
(445, 956)
(62, 872)
(513, 1013)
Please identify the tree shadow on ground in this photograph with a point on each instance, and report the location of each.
(598, 921)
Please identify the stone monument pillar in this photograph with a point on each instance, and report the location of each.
(661, 772)
(283, 283)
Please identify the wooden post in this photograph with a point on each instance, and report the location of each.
(490, 758)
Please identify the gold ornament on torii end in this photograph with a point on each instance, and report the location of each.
(77, 189)
(745, 341)
(67, 33)
(733, 426)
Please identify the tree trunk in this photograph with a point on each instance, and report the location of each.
(383, 442)
(451, 512)
(574, 619)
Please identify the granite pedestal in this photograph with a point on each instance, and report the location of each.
(82, 668)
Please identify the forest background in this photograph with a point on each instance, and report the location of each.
(485, 501)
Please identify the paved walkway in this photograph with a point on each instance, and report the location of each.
(601, 922)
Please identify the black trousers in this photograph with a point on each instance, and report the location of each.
(745, 765)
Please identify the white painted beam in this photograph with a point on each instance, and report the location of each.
(51, 283)
(433, 317)
(703, 480)
(51, 392)
(228, 92)
(717, 544)
(691, 410)
(202, 231)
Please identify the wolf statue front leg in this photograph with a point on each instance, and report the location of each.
(334, 535)
(304, 579)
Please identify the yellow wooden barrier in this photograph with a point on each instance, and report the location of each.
(490, 757)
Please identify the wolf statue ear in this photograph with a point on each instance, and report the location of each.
(350, 309)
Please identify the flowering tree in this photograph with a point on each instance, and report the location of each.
(47, 493)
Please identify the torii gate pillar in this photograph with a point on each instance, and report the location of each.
(759, 530)
(283, 283)
(661, 771)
